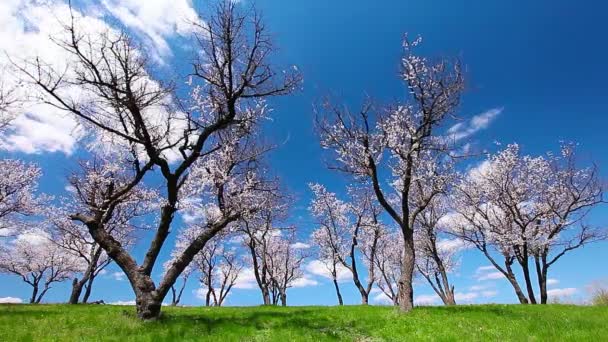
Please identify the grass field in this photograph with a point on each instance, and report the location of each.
(349, 323)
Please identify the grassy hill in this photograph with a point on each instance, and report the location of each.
(349, 323)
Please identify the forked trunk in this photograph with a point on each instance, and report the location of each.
(449, 299)
(77, 286)
(148, 307)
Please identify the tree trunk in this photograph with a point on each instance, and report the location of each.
(340, 301)
(448, 298)
(283, 298)
(526, 271)
(77, 286)
(266, 296)
(87, 290)
(148, 306)
(34, 294)
(39, 299)
(511, 278)
(541, 272)
(406, 289)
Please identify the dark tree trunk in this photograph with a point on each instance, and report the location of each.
(526, 271)
(541, 271)
(283, 298)
(77, 286)
(34, 294)
(39, 299)
(87, 290)
(340, 301)
(148, 307)
(406, 289)
(511, 278)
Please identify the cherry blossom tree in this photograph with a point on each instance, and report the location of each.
(345, 228)
(388, 263)
(37, 261)
(257, 232)
(201, 147)
(527, 209)
(9, 99)
(284, 263)
(436, 257)
(18, 199)
(89, 189)
(219, 268)
(402, 143)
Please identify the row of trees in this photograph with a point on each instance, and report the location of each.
(152, 154)
(517, 210)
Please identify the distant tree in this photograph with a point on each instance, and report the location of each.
(219, 269)
(527, 209)
(402, 143)
(18, 199)
(257, 232)
(284, 263)
(201, 147)
(37, 261)
(388, 263)
(344, 228)
(436, 257)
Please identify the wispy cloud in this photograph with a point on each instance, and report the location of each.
(477, 123)
(487, 273)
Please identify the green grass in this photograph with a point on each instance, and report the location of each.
(350, 323)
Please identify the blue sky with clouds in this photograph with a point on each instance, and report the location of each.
(540, 66)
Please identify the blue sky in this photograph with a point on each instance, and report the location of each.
(541, 62)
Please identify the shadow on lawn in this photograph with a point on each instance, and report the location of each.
(303, 320)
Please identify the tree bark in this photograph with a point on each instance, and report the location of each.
(87, 290)
(526, 271)
(76, 291)
(148, 306)
(541, 271)
(406, 289)
(511, 278)
(340, 301)
(34, 294)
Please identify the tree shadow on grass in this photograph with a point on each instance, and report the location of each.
(304, 321)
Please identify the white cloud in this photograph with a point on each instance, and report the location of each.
(304, 282)
(478, 287)
(123, 302)
(491, 276)
(246, 280)
(551, 282)
(300, 245)
(484, 273)
(427, 299)
(33, 237)
(318, 267)
(452, 245)
(118, 276)
(10, 300)
(154, 21)
(562, 292)
(478, 122)
(489, 293)
(25, 28)
(465, 296)
(382, 299)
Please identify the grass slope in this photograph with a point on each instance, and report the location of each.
(349, 323)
